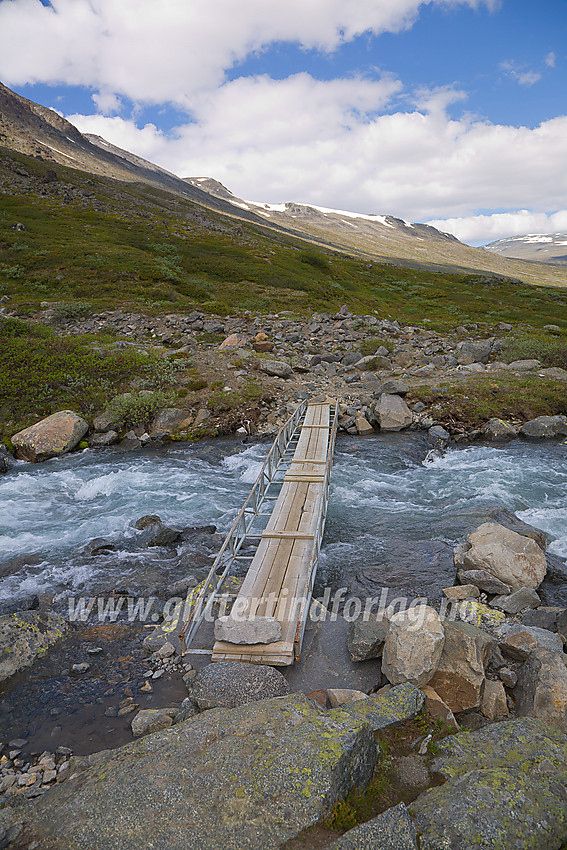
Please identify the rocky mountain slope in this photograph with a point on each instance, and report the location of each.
(35, 130)
(539, 247)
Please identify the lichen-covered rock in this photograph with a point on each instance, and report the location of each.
(497, 809)
(504, 790)
(541, 690)
(392, 413)
(401, 703)
(392, 830)
(234, 683)
(24, 636)
(497, 429)
(459, 677)
(545, 427)
(365, 639)
(248, 778)
(57, 434)
(413, 646)
(513, 558)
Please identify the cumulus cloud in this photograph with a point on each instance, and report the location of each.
(173, 50)
(328, 143)
(480, 229)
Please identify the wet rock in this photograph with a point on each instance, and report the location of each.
(519, 641)
(544, 427)
(541, 690)
(272, 769)
(365, 639)
(392, 830)
(514, 559)
(518, 601)
(26, 635)
(392, 413)
(102, 440)
(130, 442)
(152, 720)
(438, 436)
(233, 683)
(459, 678)
(497, 429)
(484, 581)
(403, 702)
(165, 537)
(413, 646)
(56, 435)
(248, 630)
(147, 522)
(363, 426)
(509, 520)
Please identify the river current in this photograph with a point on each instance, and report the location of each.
(388, 510)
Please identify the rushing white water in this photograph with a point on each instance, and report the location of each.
(381, 492)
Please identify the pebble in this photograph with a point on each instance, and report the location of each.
(17, 743)
(126, 709)
(146, 688)
(94, 650)
(158, 674)
(82, 667)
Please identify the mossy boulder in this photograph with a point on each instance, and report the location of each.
(24, 636)
(505, 788)
(56, 435)
(250, 777)
(401, 703)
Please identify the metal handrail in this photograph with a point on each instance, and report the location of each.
(193, 613)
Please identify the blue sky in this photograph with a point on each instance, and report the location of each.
(449, 112)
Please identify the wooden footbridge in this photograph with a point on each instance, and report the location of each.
(284, 518)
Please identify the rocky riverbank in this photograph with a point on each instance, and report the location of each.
(248, 372)
(461, 741)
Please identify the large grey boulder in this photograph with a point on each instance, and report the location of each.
(24, 636)
(541, 690)
(497, 429)
(234, 683)
(504, 790)
(392, 830)
(170, 420)
(484, 581)
(253, 777)
(545, 426)
(56, 435)
(459, 678)
(392, 413)
(152, 720)
(474, 352)
(276, 368)
(413, 646)
(513, 558)
(518, 601)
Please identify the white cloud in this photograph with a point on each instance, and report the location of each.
(107, 103)
(173, 50)
(550, 59)
(523, 76)
(327, 143)
(479, 229)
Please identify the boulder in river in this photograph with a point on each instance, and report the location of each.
(170, 420)
(57, 434)
(253, 777)
(513, 558)
(392, 413)
(545, 426)
(365, 639)
(497, 429)
(24, 636)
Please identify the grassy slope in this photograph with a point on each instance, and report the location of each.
(112, 244)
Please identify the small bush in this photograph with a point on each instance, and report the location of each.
(134, 410)
(551, 352)
(71, 312)
(315, 260)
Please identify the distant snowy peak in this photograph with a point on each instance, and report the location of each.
(540, 247)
